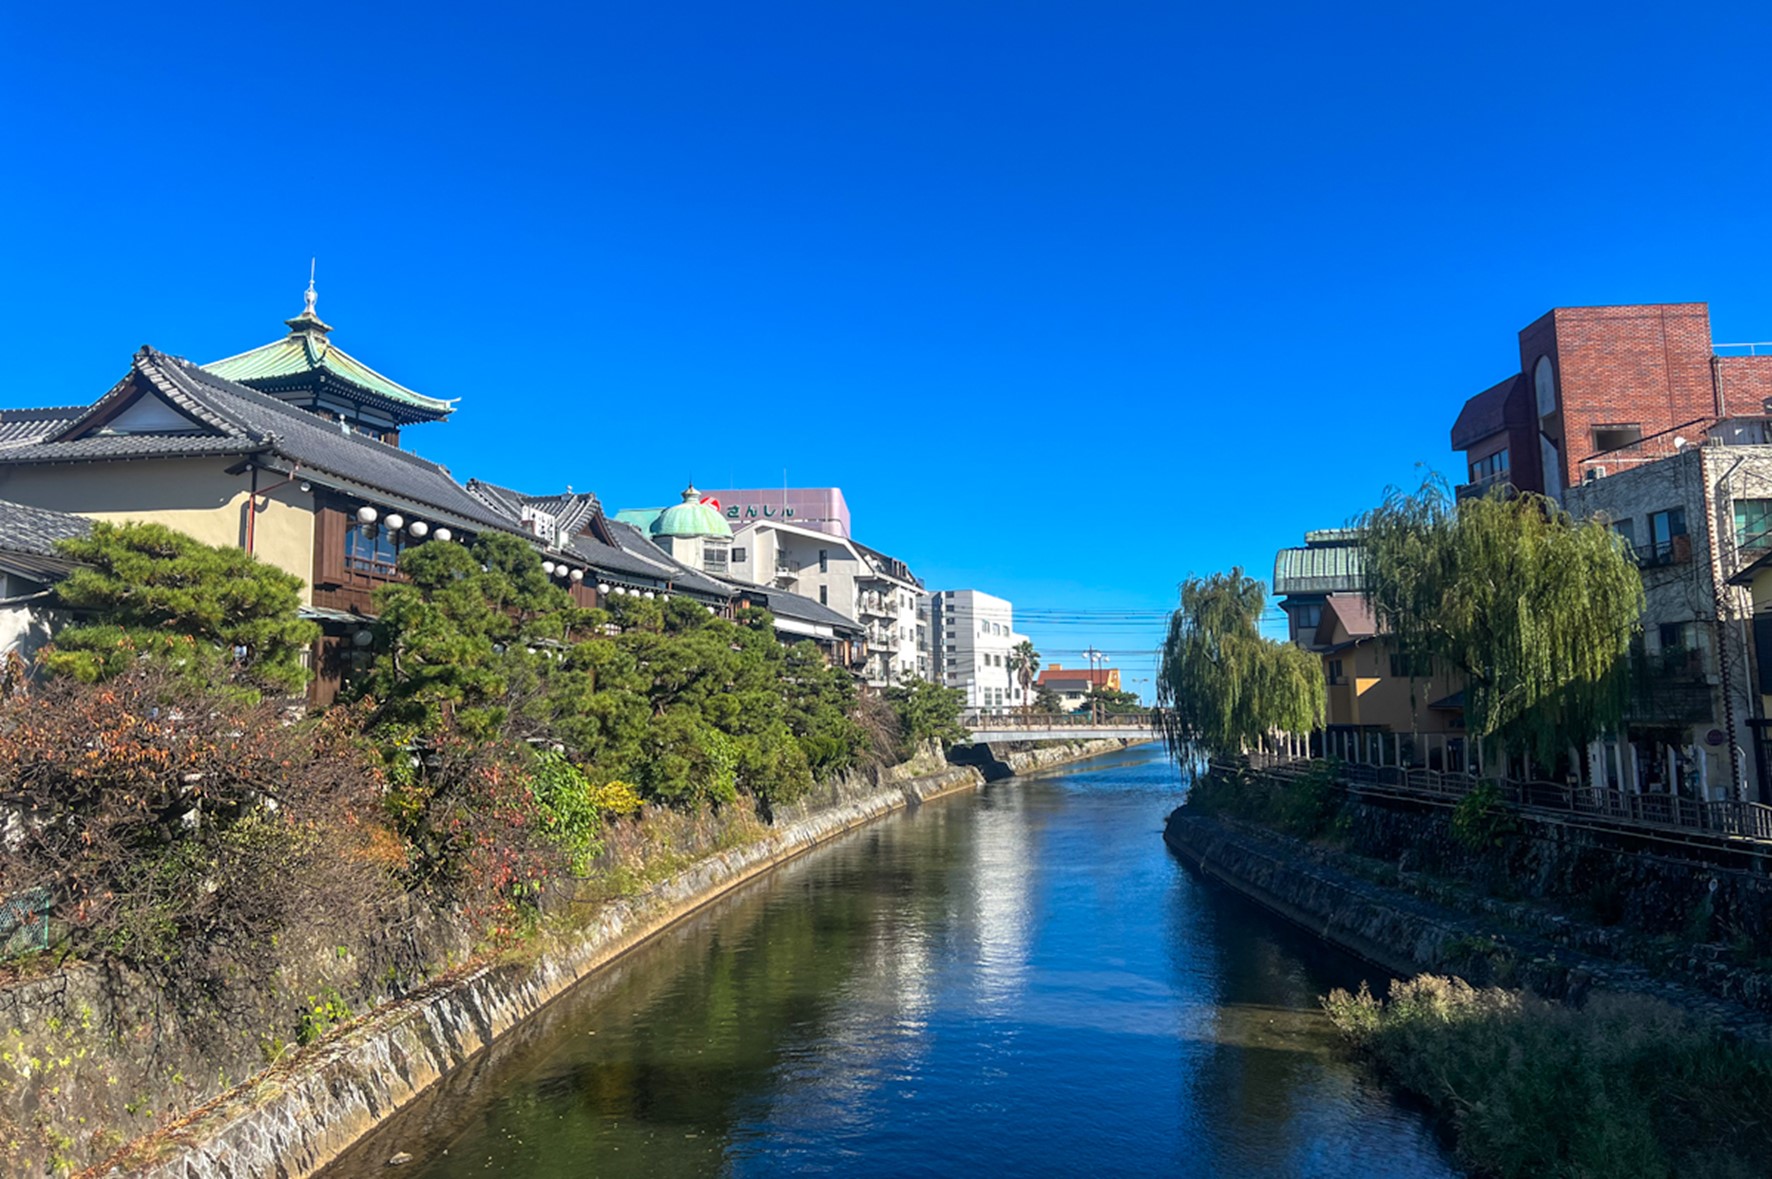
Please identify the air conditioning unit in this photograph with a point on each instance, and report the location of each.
(1593, 473)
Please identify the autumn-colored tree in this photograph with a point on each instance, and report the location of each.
(183, 833)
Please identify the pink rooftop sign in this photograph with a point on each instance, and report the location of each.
(820, 508)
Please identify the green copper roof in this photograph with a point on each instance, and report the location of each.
(1325, 569)
(307, 350)
(690, 518)
(640, 518)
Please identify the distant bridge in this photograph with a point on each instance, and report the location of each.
(1037, 726)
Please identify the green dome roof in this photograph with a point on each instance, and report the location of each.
(691, 518)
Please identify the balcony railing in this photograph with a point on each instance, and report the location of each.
(1673, 551)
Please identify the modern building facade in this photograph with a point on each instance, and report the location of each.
(971, 642)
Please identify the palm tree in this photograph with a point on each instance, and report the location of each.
(1024, 661)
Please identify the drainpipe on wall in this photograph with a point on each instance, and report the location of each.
(252, 503)
(1720, 609)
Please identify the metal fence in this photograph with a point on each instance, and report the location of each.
(1724, 819)
(24, 923)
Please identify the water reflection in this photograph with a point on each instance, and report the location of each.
(1022, 983)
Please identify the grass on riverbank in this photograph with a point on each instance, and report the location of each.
(1305, 807)
(1625, 1087)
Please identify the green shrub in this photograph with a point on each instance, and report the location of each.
(1625, 1087)
(1481, 821)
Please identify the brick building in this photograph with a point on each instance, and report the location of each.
(1633, 415)
(1597, 383)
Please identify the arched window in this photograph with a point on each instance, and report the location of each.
(1544, 383)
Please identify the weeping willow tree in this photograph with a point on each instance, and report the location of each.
(1222, 687)
(1534, 610)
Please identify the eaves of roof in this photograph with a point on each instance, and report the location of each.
(306, 353)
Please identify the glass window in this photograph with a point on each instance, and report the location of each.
(824, 595)
(1489, 467)
(1628, 530)
(738, 556)
(713, 559)
(370, 549)
(1332, 669)
(1664, 529)
(1676, 636)
(1753, 523)
(1307, 616)
(824, 560)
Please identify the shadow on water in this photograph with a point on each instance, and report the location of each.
(1021, 982)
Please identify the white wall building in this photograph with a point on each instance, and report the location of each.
(858, 582)
(971, 638)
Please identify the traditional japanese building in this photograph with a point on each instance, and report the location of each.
(297, 461)
(306, 370)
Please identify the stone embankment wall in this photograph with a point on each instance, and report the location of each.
(1003, 759)
(295, 1118)
(1391, 924)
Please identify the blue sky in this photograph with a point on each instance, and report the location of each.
(1071, 300)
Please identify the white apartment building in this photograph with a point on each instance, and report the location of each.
(971, 638)
(876, 590)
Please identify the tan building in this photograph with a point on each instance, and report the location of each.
(1375, 689)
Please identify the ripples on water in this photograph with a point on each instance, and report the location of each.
(1025, 982)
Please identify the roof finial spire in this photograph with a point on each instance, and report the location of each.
(308, 323)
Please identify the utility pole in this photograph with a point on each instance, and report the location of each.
(1096, 658)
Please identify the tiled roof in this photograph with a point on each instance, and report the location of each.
(1323, 569)
(246, 422)
(27, 541)
(631, 558)
(634, 543)
(893, 567)
(25, 529)
(783, 604)
(1354, 613)
(28, 425)
(1081, 675)
(306, 350)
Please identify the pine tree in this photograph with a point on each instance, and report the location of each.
(144, 591)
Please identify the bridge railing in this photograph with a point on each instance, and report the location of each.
(1728, 819)
(1016, 719)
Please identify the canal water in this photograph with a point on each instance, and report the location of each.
(1019, 982)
